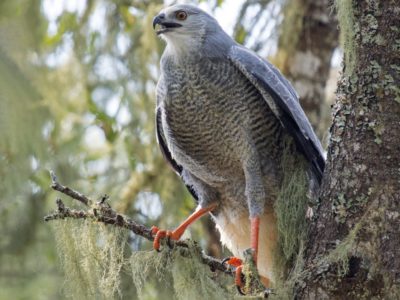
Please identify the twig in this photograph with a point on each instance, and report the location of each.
(67, 191)
(102, 212)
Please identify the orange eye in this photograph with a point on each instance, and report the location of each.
(181, 15)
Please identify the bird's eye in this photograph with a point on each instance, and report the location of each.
(181, 15)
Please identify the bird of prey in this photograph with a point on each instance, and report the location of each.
(223, 115)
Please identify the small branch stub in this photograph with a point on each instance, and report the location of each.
(67, 191)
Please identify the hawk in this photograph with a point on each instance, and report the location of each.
(223, 119)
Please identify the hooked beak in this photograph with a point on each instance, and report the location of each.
(164, 26)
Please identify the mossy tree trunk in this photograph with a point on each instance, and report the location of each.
(353, 249)
(306, 43)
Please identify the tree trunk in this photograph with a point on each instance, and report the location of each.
(306, 43)
(354, 243)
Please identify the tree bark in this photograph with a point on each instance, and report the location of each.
(306, 43)
(353, 249)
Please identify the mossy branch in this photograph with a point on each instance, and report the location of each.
(101, 211)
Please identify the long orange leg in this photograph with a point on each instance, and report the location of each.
(254, 231)
(236, 262)
(178, 232)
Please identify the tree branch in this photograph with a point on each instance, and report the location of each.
(67, 191)
(102, 212)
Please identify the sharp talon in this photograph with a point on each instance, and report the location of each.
(239, 289)
(238, 279)
(238, 276)
(169, 240)
(238, 264)
(225, 260)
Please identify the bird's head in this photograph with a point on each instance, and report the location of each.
(187, 27)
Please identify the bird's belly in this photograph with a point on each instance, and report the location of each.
(208, 165)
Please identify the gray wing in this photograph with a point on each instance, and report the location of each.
(284, 103)
(163, 145)
(161, 139)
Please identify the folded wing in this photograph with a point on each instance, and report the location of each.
(284, 102)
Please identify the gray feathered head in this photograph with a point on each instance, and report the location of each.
(188, 29)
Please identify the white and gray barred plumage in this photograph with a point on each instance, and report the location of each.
(223, 115)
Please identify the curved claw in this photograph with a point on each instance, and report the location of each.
(225, 260)
(238, 279)
(239, 289)
(169, 238)
(238, 264)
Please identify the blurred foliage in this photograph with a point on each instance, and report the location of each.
(77, 89)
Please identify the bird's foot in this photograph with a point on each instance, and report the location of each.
(237, 263)
(160, 234)
(180, 230)
(232, 261)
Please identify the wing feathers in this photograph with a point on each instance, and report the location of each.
(167, 154)
(284, 103)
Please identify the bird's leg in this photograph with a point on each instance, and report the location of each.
(255, 193)
(254, 231)
(237, 262)
(178, 232)
(254, 240)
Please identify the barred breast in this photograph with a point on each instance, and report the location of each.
(213, 118)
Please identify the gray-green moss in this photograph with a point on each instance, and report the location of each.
(92, 258)
(290, 209)
(182, 269)
(290, 206)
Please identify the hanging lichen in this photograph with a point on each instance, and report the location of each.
(290, 206)
(182, 269)
(146, 264)
(290, 209)
(284, 288)
(92, 257)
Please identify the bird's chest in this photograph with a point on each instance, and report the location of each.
(191, 105)
(199, 97)
(194, 116)
(192, 87)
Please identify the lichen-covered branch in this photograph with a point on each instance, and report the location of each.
(102, 212)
